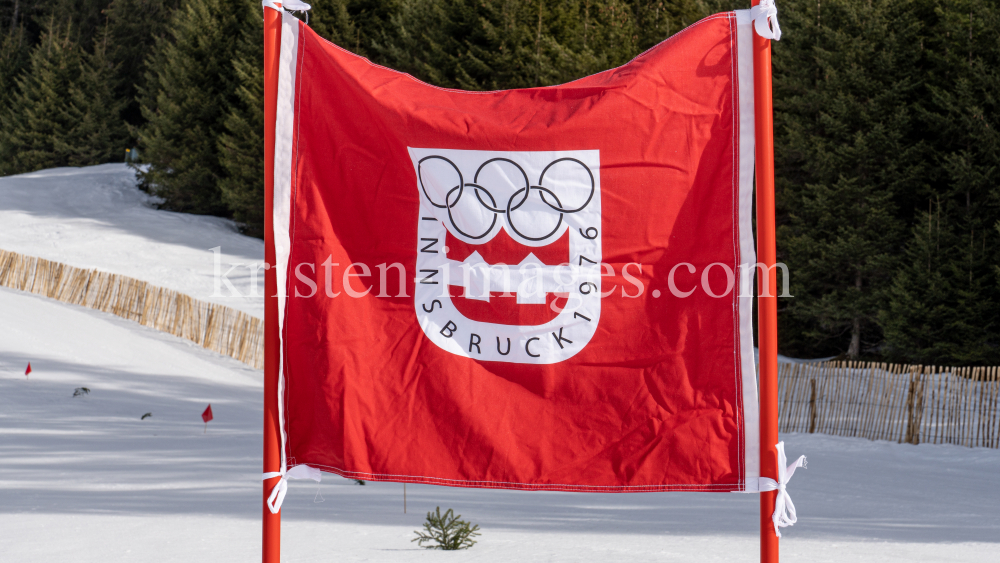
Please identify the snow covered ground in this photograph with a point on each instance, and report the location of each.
(84, 479)
(95, 217)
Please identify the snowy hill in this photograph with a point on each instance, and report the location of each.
(86, 479)
(95, 217)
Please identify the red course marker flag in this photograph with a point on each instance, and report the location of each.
(27, 371)
(206, 416)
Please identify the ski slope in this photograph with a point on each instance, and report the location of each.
(95, 217)
(85, 479)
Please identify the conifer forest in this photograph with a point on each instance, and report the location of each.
(887, 130)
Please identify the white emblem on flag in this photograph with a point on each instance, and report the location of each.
(508, 252)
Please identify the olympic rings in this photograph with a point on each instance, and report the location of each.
(454, 195)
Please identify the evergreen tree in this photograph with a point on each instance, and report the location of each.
(241, 148)
(9, 15)
(31, 17)
(847, 164)
(523, 43)
(937, 313)
(353, 24)
(945, 301)
(63, 113)
(190, 88)
(100, 135)
(134, 26)
(15, 52)
(84, 20)
(381, 29)
(446, 531)
(37, 115)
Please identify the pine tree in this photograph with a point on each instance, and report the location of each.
(352, 24)
(15, 53)
(523, 43)
(37, 115)
(241, 148)
(84, 20)
(100, 135)
(134, 26)
(9, 15)
(943, 307)
(63, 113)
(847, 165)
(945, 302)
(446, 531)
(29, 17)
(190, 86)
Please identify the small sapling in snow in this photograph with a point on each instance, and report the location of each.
(446, 531)
(81, 391)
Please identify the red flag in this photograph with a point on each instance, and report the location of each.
(27, 371)
(207, 415)
(613, 353)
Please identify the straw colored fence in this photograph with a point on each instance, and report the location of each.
(215, 327)
(911, 404)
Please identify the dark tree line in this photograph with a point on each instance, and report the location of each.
(888, 160)
(886, 125)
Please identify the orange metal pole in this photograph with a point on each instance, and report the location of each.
(767, 304)
(271, 538)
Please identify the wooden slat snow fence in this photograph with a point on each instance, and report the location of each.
(216, 327)
(903, 403)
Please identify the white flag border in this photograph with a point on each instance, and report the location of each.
(284, 149)
(748, 255)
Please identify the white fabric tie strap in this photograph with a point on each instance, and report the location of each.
(277, 495)
(290, 5)
(765, 20)
(784, 510)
